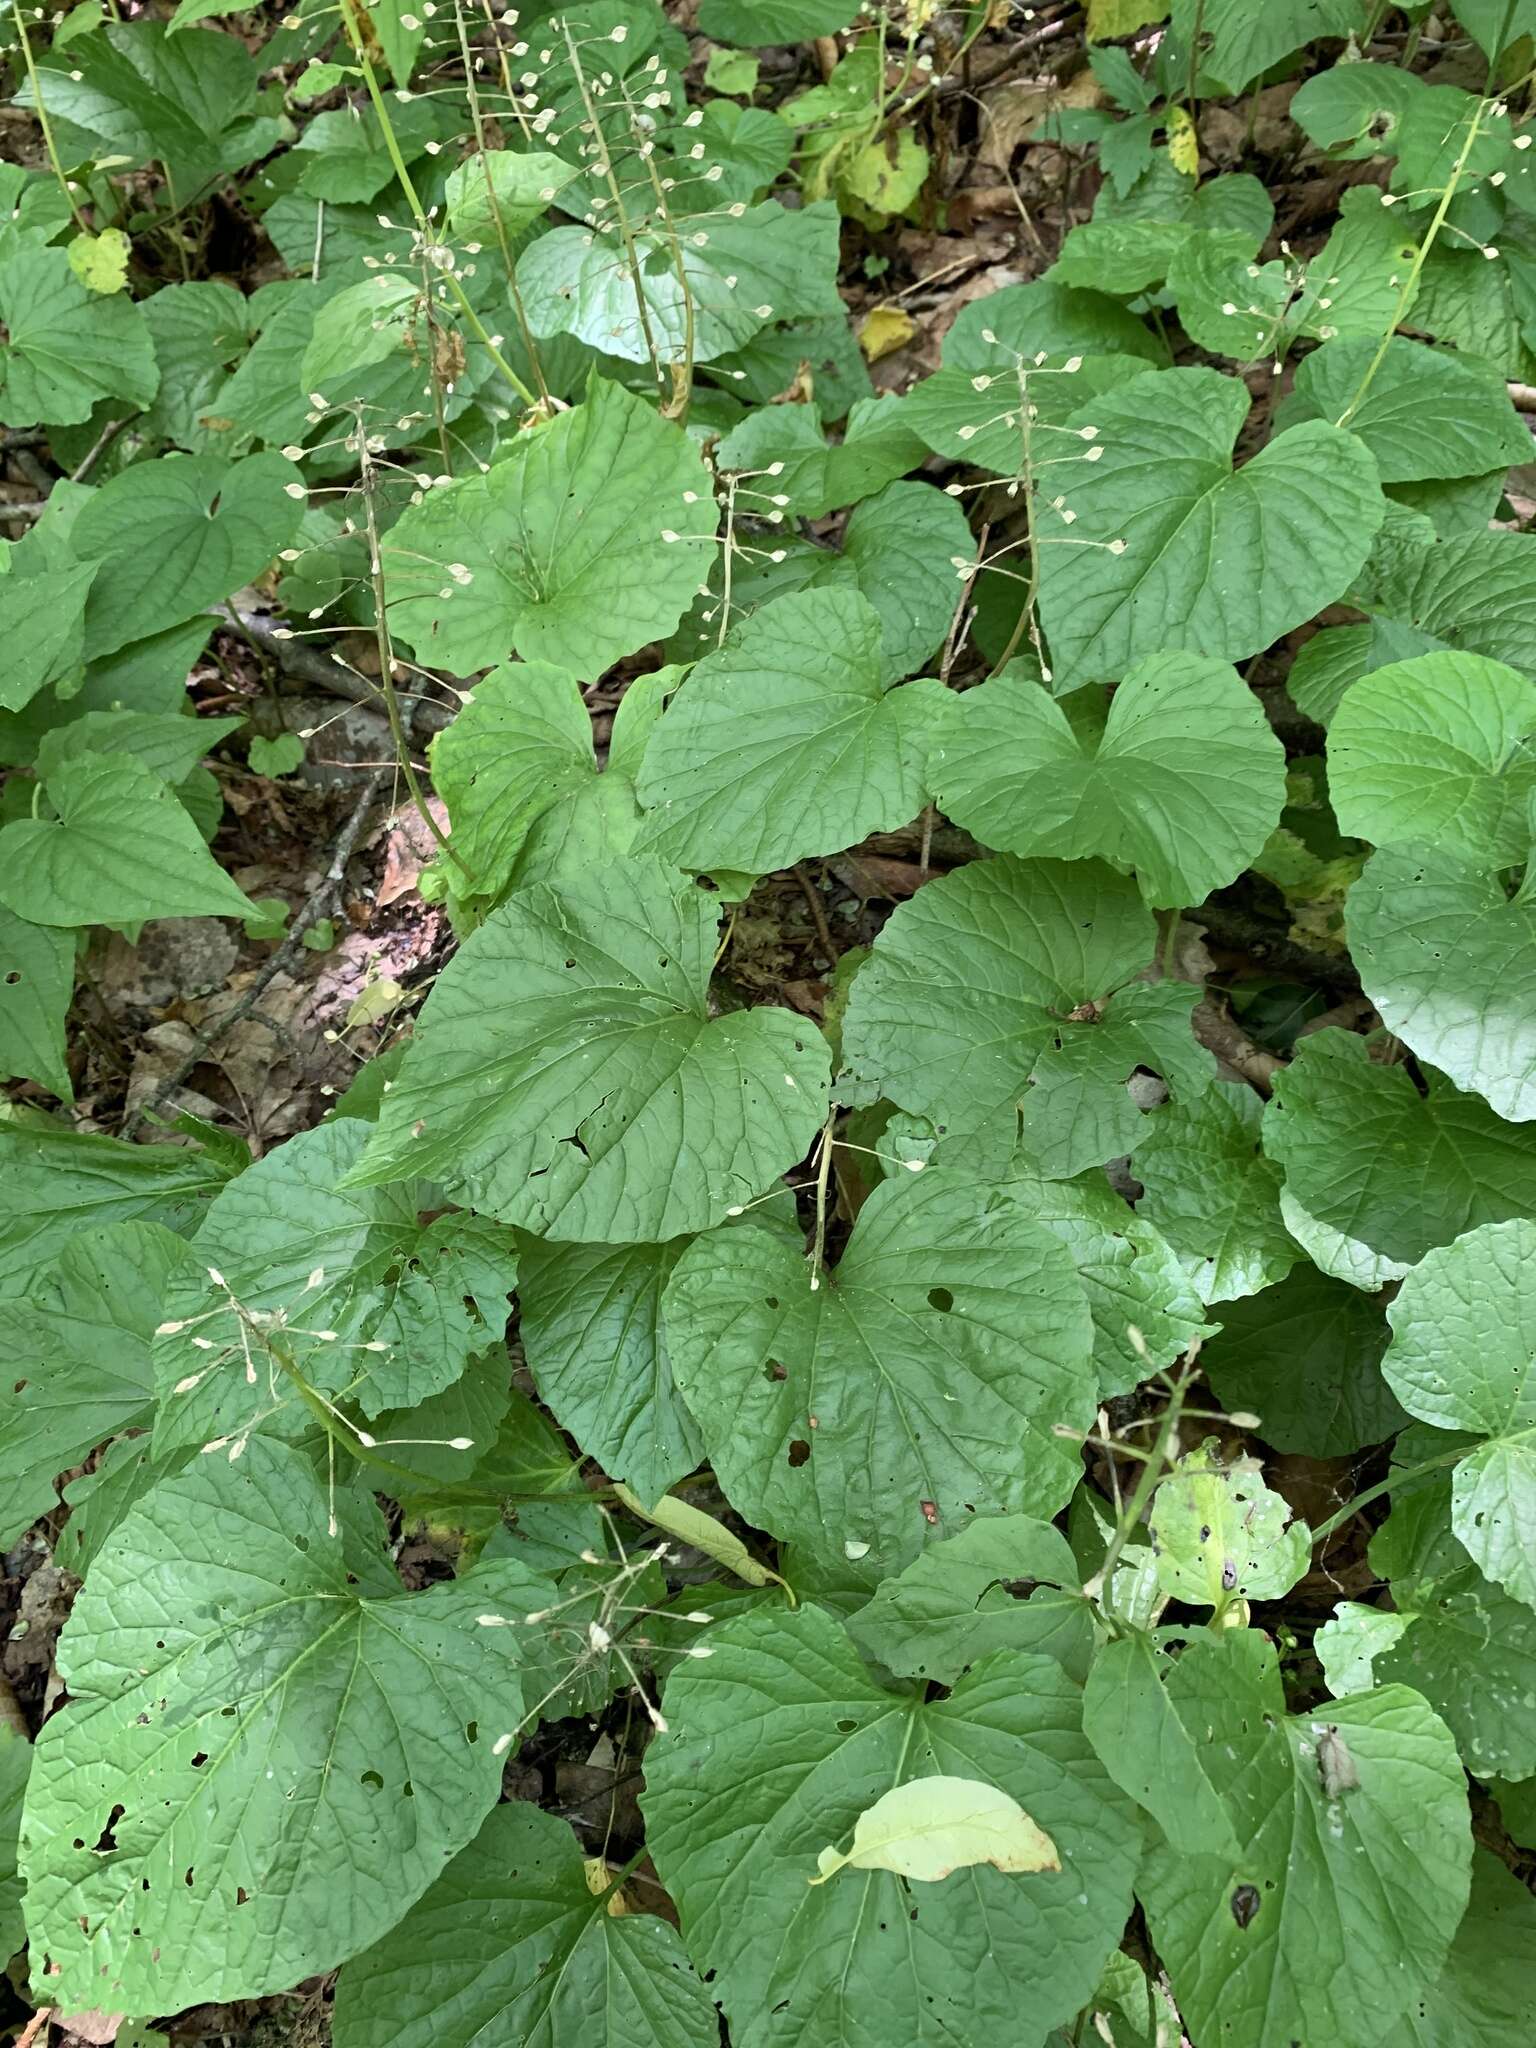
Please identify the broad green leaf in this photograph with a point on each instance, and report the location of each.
(1155, 1738)
(61, 1182)
(37, 981)
(903, 549)
(1484, 1996)
(756, 23)
(786, 742)
(250, 1696)
(1121, 256)
(1335, 659)
(927, 1828)
(199, 330)
(767, 264)
(1449, 959)
(186, 102)
(364, 323)
(1353, 110)
(1337, 1254)
(509, 186)
(1366, 1153)
(512, 1943)
(1495, 24)
(168, 744)
(99, 1499)
(1214, 1196)
(1428, 412)
(1181, 784)
(1006, 419)
(1254, 312)
(736, 1820)
(77, 1349)
(342, 153)
(1221, 1535)
(884, 1403)
(779, 453)
(1170, 546)
(1467, 1646)
(560, 550)
(1240, 41)
(521, 745)
(292, 1267)
(1478, 594)
(566, 1075)
(1436, 750)
(1347, 1647)
(1305, 1357)
(42, 605)
(208, 526)
(1002, 1002)
(121, 849)
(730, 71)
(15, 1764)
(65, 349)
(1130, 1273)
(1287, 1940)
(401, 35)
(1006, 1582)
(1027, 320)
(1463, 1336)
(590, 1322)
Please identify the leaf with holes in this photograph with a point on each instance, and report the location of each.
(269, 1747)
(1002, 1003)
(519, 1937)
(292, 1269)
(883, 1403)
(736, 1829)
(1221, 1534)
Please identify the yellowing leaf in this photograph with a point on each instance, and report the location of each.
(1183, 142)
(931, 1826)
(884, 331)
(691, 1525)
(101, 261)
(1110, 18)
(599, 1877)
(377, 1000)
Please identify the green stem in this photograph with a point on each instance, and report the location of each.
(1420, 256)
(472, 319)
(387, 662)
(823, 1169)
(626, 232)
(366, 1454)
(494, 203)
(1131, 1513)
(1361, 1500)
(19, 16)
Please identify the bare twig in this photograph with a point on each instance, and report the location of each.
(818, 913)
(1219, 1034)
(322, 900)
(307, 664)
(1241, 932)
